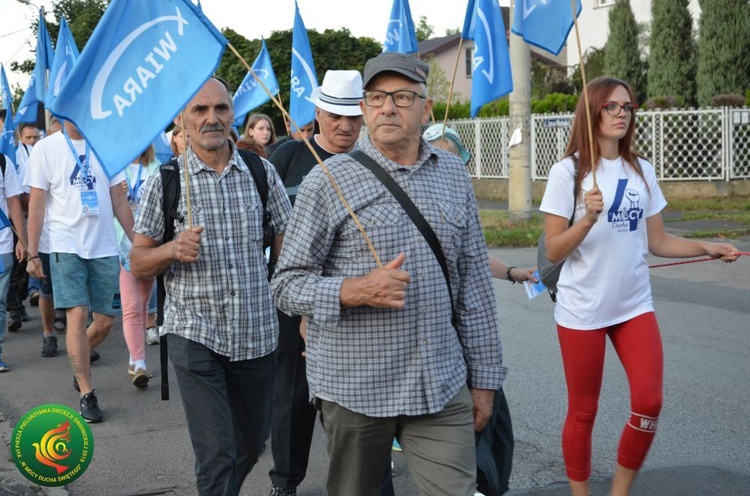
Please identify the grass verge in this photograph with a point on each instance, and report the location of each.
(499, 230)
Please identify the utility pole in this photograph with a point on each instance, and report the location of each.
(519, 155)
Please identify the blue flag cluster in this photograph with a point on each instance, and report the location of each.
(491, 74)
(7, 143)
(66, 55)
(401, 35)
(251, 95)
(35, 93)
(144, 61)
(544, 23)
(304, 79)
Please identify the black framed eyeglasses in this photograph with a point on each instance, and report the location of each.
(401, 98)
(613, 108)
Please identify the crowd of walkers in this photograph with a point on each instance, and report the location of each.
(279, 310)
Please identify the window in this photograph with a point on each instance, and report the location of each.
(469, 61)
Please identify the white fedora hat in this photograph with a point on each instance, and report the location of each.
(340, 93)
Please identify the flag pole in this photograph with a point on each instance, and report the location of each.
(187, 173)
(336, 188)
(585, 93)
(450, 90)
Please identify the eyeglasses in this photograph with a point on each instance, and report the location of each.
(401, 98)
(613, 108)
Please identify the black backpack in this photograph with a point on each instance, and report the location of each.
(171, 188)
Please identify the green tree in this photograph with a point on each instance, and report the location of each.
(350, 53)
(622, 58)
(82, 17)
(593, 64)
(423, 30)
(723, 49)
(672, 51)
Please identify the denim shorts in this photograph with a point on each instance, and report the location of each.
(86, 282)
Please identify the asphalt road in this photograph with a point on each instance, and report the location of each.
(701, 447)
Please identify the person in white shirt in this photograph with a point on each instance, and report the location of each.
(72, 194)
(604, 288)
(11, 208)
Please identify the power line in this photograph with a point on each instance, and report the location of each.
(14, 32)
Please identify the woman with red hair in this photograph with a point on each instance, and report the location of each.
(604, 288)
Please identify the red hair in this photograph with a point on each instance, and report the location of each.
(599, 90)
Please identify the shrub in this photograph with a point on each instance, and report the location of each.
(730, 100)
(663, 102)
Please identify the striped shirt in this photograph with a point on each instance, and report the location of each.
(384, 362)
(222, 300)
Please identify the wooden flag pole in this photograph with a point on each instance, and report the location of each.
(450, 91)
(187, 173)
(585, 93)
(317, 158)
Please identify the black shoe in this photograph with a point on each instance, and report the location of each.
(34, 299)
(280, 491)
(94, 356)
(14, 322)
(90, 408)
(49, 347)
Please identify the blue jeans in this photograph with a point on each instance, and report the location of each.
(34, 285)
(7, 261)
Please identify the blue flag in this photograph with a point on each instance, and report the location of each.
(304, 78)
(400, 35)
(7, 142)
(544, 23)
(250, 94)
(144, 61)
(66, 55)
(491, 75)
(162, 149)
(29, 107)
(44, 56)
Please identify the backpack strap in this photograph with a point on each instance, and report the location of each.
(260, 176)
(2, 163)
(170, 183)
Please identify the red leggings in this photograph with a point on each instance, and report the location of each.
(638, 344)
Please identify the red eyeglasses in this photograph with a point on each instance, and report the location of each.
(613, 108)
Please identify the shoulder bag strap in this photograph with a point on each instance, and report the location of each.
(414, 214)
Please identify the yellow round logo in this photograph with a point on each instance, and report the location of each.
(52, 445)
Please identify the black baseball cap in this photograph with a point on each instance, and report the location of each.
(401, 63)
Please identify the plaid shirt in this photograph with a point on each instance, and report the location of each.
(383, 362)
(222, 300)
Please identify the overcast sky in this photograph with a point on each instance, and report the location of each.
(251, 18)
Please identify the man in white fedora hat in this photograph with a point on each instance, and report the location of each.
(340, 120)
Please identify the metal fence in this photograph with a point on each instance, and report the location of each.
(683, 145)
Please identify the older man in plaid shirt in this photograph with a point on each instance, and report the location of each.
(383, 357)
(220, 321)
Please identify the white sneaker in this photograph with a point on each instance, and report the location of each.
(152, 335)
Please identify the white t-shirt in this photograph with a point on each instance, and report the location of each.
(53, 168)
(8, 188)
(605, 280)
